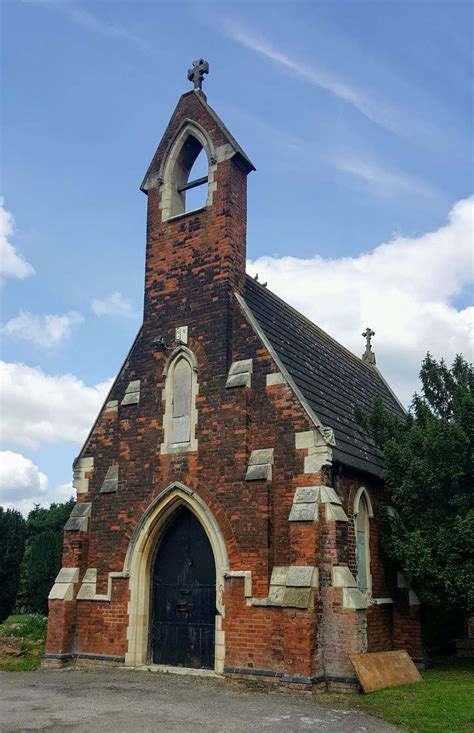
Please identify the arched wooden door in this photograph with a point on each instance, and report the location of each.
(184, 595)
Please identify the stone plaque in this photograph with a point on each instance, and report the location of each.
(384, 669)
(181, 334)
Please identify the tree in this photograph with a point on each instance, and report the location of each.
(54, 518)
(428, 476)
(45, 562)
(42, 557)
(12, 542)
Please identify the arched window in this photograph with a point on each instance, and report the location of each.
(180, 416)
(362, 514)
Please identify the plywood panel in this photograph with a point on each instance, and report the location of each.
(384, 669)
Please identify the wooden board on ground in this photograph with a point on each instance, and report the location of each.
(384, 669)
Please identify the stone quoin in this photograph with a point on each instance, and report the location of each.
(228, 504)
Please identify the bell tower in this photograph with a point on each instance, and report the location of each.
(194, 257)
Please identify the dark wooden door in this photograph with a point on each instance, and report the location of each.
(184, 596)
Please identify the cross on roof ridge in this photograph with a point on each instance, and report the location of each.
(368, 356)
(196, 73)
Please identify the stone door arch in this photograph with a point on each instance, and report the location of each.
(139, 564)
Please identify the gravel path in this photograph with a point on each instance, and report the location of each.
(137, 702)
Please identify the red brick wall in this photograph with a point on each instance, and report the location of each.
(380, 628)
(194, 264)
(389, 626)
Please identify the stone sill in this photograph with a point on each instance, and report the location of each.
(186, 213)
(380, 601)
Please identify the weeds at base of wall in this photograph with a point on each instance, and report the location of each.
(22, 639)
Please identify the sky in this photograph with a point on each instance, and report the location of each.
(358, 117)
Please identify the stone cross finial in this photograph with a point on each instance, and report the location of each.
(368, 356)
(196, 74)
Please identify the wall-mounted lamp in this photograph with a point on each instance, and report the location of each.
(161, 344)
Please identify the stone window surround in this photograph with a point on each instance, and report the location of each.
(362, 492)
(167, 396)
(170, 203)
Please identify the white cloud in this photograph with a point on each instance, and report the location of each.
(22, 484)
(45, 331)
(20, 478)
(312, 74)
(38, 408)
(403, 289)
(114, 305)
(11, 263)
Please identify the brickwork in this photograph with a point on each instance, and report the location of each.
(407, 627)
(194, 265)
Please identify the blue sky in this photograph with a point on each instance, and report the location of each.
(357, 115)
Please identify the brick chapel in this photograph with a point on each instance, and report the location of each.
(228, 503)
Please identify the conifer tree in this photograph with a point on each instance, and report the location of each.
(45, 562)
(40, 567)
(12, 543)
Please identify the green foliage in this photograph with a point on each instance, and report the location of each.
(12, 542)
(22, 639)
(428, 474)
(45, 562)
(30, 626)
(42, 557)
(54, 518)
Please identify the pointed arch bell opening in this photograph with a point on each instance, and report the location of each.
(188, 169)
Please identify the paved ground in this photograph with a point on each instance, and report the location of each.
(139, 702)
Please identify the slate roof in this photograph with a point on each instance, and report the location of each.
(331, 379)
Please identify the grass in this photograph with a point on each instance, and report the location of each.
(442, 703)
(22, 642)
